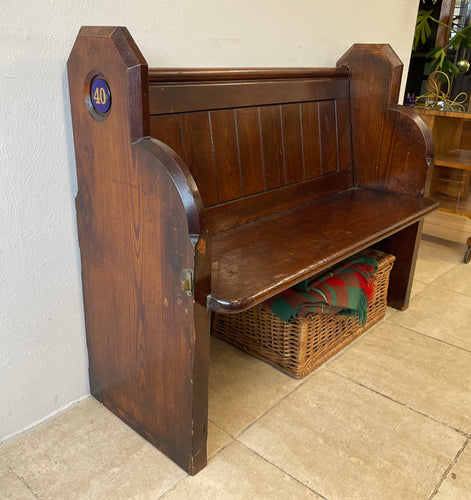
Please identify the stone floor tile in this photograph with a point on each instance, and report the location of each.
(439, 218)
(11, 486)
(88, 453)
(237, 472)
(241, 387)
(448, 235)
(347, 442)
(217, 439)
(439, 313)
(457, 280)
(457, 485)
(434, 260)
(443, 243)
(425, 374)
(417, 287)
(389, 312)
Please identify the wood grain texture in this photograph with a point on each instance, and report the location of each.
(328, 133)
(465, 139)
(292, 143)
(234, 153)
(392, 145)
(344, 134)
(250, 148)
(448, 131)
(197, 145)
(255, 261)
(226, 154)
(256, 134)
(138, 215)
(458, 158)
(166, 75)
(184, 97)
(238, 212)
(311, 139)
(404, 245)
(272, 147)
(168, 129)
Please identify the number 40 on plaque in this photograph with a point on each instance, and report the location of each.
(100, 95)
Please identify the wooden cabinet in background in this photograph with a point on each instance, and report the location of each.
(451, 183)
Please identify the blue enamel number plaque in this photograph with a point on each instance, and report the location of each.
(100, 96)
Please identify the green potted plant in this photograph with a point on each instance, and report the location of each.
(459, 38)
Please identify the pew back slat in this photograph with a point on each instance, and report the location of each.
(248, 137)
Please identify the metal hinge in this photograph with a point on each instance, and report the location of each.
(186, 277)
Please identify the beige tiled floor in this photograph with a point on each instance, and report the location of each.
(387, 418)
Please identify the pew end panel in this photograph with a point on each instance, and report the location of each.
(139, 222)
(392, 145)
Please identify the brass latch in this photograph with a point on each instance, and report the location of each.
(186, 277)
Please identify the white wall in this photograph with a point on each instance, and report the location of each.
(43, 360)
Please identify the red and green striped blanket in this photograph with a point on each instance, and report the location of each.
(346, 289)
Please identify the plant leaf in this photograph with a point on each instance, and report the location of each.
(434, 65)
(422, 27)
(425, 33)
(434, 51)
(466, 37)
(449, 68)
(457, 40)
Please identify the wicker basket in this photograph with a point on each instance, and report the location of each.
(302, 345)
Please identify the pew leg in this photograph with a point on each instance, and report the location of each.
(167, 407)
(404, 245)
(198, 448)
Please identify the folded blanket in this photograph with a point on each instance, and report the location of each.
(346, 289)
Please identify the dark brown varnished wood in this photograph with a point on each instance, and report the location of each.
(138, 214)
(344, 134)
(404, 245)
(191, 96)
(392, 145)
(328, 133)
(238, 152)
(254, 180)
(291, 121)
(250, 150)
(197, 147)
(272, 147)
(238, 212)
(255, 261)
(311, 139)
(163, 75)
(226, 155)
(169, 130)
